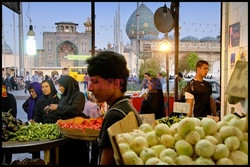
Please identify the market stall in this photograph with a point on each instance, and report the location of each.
(11, 147)
(181, 141)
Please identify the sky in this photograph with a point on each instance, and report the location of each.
(198, 19)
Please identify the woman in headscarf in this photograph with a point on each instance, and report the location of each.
(154, 102)
(72, 100)
(8, 101)
(74, 152)
(29, 105)
(50, 96)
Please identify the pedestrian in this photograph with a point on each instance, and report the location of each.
(85, 82)
(92, 108)
(34, 77)
(154, 101)
(9, 102)
(74, 152)
(29, 105)
(145, 82)
(181, 85)
(198, 93)
(162, 80)
(108, 82)
(7, 82)
(27, 80)
(50, 96)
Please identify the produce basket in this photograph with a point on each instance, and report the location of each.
(75, 133)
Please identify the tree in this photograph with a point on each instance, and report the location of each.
(151, 65)
(192, 60)
(188, 62)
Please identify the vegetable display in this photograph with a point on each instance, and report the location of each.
(187, 141)
(35, 132)
(10, 125)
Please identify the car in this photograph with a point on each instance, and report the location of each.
(215, 89)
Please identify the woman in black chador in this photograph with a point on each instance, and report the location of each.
(154, 102)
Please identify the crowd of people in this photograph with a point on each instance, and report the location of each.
(105, 97)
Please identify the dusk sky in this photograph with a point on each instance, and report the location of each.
(199, 19)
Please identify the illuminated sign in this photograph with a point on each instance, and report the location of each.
(78, 57)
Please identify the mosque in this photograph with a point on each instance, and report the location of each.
(67, 41)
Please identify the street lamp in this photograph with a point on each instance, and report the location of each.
(30, 41)
(165, 46)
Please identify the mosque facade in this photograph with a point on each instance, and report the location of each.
(143, 37)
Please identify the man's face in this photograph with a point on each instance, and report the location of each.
(101, 88)
(203, 70)
(146, 77)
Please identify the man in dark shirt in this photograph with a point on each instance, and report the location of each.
(108, 82)
(198, 93)
(145, 82)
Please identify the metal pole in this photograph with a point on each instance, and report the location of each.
(137, 41)
(167, 75)
(21, 52)
(176, 32)
(93, 28)
(14, 51)
(4, 54)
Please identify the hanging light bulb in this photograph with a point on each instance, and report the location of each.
(31, 42)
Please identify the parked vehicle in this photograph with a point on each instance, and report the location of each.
(215, 89)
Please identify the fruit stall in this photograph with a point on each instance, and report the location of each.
(181, 141)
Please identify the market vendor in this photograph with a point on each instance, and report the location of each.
(108, 82)
(8, 101)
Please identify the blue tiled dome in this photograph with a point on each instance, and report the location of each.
(148, 37)
(189, 39)
(209, 39)
(146, 23)
(6, 49)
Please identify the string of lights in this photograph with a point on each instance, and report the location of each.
(186, 28)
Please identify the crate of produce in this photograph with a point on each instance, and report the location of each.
(80, 128)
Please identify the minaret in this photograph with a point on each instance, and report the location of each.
(88, 25)
(117, 31)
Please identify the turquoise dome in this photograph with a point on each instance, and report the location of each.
(148, 37)
(189, 39)
(146, 23)
(209, 39)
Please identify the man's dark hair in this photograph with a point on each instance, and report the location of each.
(180, 75)
(109, 65)
(147, 73)
(160, 74)
(200, 63)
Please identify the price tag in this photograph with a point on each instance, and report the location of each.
(181, 107)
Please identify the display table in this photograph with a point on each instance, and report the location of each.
(11, 147)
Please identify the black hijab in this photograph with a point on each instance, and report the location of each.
(53, 91)
(71, 87)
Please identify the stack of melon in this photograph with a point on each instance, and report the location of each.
(191, 141)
